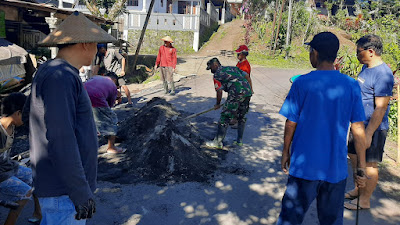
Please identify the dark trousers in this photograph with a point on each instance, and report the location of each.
(299, 195)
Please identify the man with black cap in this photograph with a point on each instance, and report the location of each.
(237, 84)
(319, 108)
(63, 136)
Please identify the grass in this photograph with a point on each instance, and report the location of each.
(297, 60)
(223, 33)
(155, 77)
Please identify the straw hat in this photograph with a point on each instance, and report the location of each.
(76, 28)
(167, 38)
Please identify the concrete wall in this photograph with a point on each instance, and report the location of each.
(183, 41)
(206, 32)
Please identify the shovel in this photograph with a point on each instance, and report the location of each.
(198, 114)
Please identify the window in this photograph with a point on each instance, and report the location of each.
(169, 6)
(133, 2)
(162, 3)
(183, 7)
(194, 7)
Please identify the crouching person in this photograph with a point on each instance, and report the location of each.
(103, 92)
(15, 180)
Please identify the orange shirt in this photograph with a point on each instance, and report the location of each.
(244, 66)
(166, 57)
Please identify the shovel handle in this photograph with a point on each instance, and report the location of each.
(198, 114)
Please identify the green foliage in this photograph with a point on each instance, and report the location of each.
(112, 8)
(260, 27)
(340, 17)
(392, 55)
(303, 24)
(393, 120)
(138, 77)
(349, 64)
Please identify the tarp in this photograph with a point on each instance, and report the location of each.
(11, 53)
(10, 71)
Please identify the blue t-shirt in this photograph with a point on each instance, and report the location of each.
(322, 103)
(375, 82)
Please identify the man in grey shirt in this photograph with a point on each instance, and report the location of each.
(63, 136)
(112, 61)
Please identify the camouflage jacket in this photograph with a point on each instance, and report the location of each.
(232, 80)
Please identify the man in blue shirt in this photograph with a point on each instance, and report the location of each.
(319, 108)
(63, 136)
(376, 82)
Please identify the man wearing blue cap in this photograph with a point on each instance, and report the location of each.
(319, 108)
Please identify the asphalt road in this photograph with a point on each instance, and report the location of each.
(250, 193)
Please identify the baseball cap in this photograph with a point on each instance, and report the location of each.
(325, 43)
(99, 46)
(242, 48)
(210, 62)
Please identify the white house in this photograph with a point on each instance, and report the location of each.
(173, 15)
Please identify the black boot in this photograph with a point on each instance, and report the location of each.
(240, 131)
(172, 88)
(217, 142)
(165, 87)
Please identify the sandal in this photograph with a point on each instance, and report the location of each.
(348, 196)
(352, 206)
(34, 220)
(116, 151)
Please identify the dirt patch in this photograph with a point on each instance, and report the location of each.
(228, 37)
(344, 38)
(161, 147)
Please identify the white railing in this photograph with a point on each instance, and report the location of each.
(213, 12)
(162, 21)
(205, 18)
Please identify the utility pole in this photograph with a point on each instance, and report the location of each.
(273, 24)
(142, 34)
(398, 124)
(279, 25)
(289, 26)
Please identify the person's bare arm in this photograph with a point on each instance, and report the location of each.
(381, 104)
(123, 61)
(248, 78)
(219, 98)
(96, 69)
(359, 135)
(290, 128)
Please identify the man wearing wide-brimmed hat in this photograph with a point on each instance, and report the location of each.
(63, 136)
(166, 59)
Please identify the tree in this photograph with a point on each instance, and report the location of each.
(329, 6)
(113, 8)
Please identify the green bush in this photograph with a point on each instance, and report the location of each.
(393, 120)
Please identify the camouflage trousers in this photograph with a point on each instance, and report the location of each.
(234, 110)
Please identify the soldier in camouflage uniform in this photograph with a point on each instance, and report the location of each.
(237, 84)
